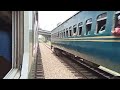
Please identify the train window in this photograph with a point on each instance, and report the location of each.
(88, 26)
(80, 28)
(56, 34)
(66, 32)
(74, 30)
(18, 41)
(70, 31)
(5, 42)
(116, 18)
(60, 35)
(101, 23)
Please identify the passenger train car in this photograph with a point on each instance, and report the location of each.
(18, 43)
(87, 34)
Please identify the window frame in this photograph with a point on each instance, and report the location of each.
(80, 25)
(17, 45)
(59, 34)
(98, 20)
(117, 12)
(64, 33)
(88, 23)
(114, 18)
(70, 29)
(74, 26)
(67, 32)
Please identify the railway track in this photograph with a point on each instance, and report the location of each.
(79, 70)
(39, 72)
(83, 70)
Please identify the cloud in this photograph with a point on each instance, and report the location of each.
(48, 20)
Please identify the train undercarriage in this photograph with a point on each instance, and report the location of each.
(59, 52)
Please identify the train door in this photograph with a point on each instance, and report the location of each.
(5, 42)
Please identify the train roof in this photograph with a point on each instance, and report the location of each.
(67, 19)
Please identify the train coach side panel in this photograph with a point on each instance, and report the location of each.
(104, 53)
(102, 49)
(5, 45)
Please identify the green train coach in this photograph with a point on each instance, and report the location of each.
(91, 35)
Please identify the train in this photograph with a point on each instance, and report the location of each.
(18, 44)
(88, 35)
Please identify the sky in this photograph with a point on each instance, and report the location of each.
(48, 20)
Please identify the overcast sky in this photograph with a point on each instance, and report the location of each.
(48, 20)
